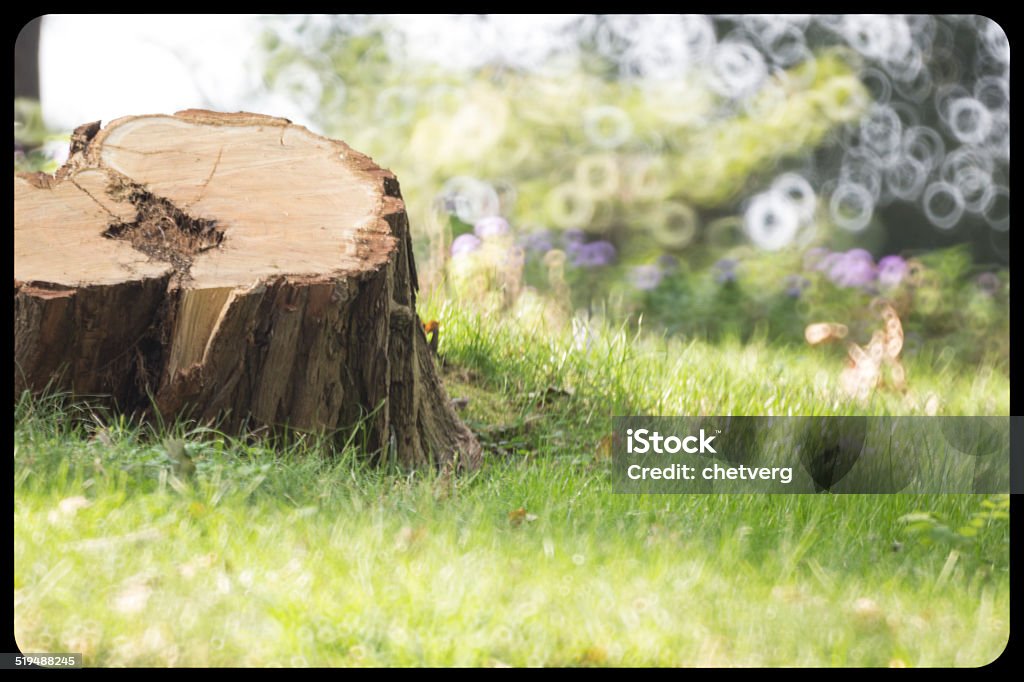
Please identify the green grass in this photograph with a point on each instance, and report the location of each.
(304, 555)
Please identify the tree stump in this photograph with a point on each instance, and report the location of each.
(234, 267)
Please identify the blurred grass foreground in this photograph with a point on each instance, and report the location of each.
(612, 215)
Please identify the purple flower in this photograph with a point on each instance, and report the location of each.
(989, 283)
(795, 285)
(491, 226)
(725, 270)
(465, 243)
(668, 263)
(645, 277)
(814, 257)
(826, 262)
(594, 254)
(573, 236)
(855, 268)
(891, 270)
(538, 242)
(445, 203)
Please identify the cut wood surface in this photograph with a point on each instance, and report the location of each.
(232, 267)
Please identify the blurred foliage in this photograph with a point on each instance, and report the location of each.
(28, 122)
(949, 307)
(624, 159)
(35, 146)
(638, 196)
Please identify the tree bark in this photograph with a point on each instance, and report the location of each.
(234, 267)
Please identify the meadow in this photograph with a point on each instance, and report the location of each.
(296, 551)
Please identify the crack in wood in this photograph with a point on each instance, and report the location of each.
(98, 202)
(206, 182)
